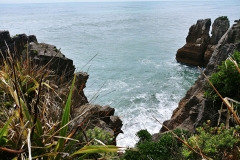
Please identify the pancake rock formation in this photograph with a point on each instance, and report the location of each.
(199, 45)
(193, 109)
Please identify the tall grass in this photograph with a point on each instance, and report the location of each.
(34, 118)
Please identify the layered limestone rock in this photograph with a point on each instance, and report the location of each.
(42, 53)
(194, 109)
(199, 46)
(192, 53)
(15, 44)
(219, 27)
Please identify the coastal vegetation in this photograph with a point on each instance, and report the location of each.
(35, 120)
(223, 18)
(208, 142)
(226, 80)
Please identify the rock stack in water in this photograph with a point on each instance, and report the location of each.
(193, 109)
(199, 45)
(196, 43)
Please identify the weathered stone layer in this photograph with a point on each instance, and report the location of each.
(193, 109)
(199, 45)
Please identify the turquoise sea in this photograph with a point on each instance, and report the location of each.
(135, 70)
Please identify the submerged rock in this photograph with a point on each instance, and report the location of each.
(193, 109)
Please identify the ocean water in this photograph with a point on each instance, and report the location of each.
(133, 44)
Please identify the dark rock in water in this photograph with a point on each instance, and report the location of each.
(192, 53)
(193, 110)
(105, 113)
(199, 31)
(199, 46)
(116, 124)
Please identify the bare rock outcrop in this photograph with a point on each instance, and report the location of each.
(219, 27)
(199, 46)
(15, 44)
(194, 109)
(99, 116)
(43, 53)
(192, 53)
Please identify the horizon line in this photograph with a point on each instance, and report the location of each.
(94, 1)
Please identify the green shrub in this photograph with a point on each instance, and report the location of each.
(214, 142)
(100, 134)
(223, 18)
(226, 80)
(167, 147)
(144, 136)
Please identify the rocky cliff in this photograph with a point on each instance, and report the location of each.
(194, 109)
(42, 54)
(199, 45)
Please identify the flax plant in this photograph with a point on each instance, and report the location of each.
(34, 119)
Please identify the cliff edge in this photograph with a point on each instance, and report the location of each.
(194, 109)
(25, 47)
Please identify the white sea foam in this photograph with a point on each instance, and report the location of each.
(135, 70)
(140, 116)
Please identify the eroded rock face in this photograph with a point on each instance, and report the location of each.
(194, 109)
(102, 117)
(42, 53)
(46, 54)
(208, 54)
(4, 37)
(192, 53)
(78, 97)
(219, 28)
(15, 44)
(199, 46)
